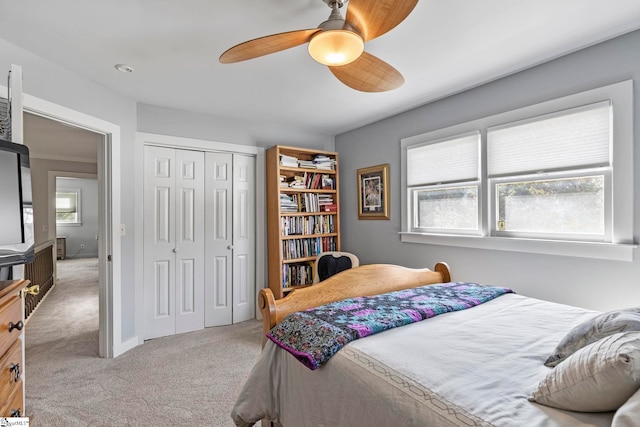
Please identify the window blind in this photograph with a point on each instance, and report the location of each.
(576, 137)
(450, 160)
(66, 202)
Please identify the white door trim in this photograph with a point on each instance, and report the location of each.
(110, 316)
(144, 138)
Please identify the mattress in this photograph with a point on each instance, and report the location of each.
(474, 367)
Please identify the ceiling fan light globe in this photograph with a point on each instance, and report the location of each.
(336, 47)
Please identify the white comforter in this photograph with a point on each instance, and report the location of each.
(474, 367)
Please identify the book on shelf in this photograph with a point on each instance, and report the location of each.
(328, 183)
(307, 225)
(296, 275)
(296, 181)
(288, 161)
(288, 203)
(324, 199)
(307, 247)
(306, 164)
(323, 162)
(331, 207)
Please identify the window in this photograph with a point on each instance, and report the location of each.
(443, 177)
(553, 178)
(68, 207)
(551, 175)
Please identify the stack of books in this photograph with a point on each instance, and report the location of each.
(323, 162)
(297, 182)
(288, 161)
(283, 181)
(287, 204)
(307, 164)
(325, 201)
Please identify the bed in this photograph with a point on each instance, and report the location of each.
(479, 366)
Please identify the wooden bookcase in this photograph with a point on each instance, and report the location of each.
(300, 221)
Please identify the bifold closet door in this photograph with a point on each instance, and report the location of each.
(219, 239)
(230, 216)
(244, 238)
(173, 241)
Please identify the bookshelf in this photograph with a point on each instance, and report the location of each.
(303, 215)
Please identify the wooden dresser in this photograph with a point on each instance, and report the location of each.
(11, 348)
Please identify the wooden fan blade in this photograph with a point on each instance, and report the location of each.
(266, 45)
(368, 74)
(374, 18)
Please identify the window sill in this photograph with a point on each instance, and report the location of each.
(68, 224)
(608, 251)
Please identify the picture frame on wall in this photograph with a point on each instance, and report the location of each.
(373, 192)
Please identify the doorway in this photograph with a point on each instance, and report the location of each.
(65, 158)
(109, 344)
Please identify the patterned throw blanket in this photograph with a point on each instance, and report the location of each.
(314, 335)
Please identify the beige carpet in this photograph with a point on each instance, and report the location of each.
(190, 379)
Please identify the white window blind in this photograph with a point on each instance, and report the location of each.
(576, 137)
(66, 202)
(450, 160)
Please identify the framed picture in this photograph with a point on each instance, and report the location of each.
(373, 192)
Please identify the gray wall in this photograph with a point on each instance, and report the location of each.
(85, 233)
(40, 182)
(591, 283)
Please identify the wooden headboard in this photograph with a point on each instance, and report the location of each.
(366, 280)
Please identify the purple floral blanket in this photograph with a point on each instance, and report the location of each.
(313, 336)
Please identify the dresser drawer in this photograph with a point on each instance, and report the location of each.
(13, 405)
(11, 322)
(10, 370)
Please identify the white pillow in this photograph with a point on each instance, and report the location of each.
(628, 415)
(597, 378)
(592, 330)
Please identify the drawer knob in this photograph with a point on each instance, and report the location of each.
(17, 326)
(14, 412)
(32, 290)
(15, 368)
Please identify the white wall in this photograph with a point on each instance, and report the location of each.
(50, 82)
(40, 169)
(81, 241)
(590, 283)
(168, 121)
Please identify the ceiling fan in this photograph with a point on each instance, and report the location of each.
(339, 43)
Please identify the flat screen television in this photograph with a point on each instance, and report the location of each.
(16, 207)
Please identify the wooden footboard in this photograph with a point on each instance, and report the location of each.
(366, 280)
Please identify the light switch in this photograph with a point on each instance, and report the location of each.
(123, 232)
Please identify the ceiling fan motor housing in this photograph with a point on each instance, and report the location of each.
(340, 3)
(336, 21)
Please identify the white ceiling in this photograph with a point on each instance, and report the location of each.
(443, 47)
(52, 140)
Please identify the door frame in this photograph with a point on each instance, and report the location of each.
(110, 302)
(144, 138)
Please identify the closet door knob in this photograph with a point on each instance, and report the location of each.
(230, 247)
(175, 251)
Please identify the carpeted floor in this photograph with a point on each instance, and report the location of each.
(190, 379)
